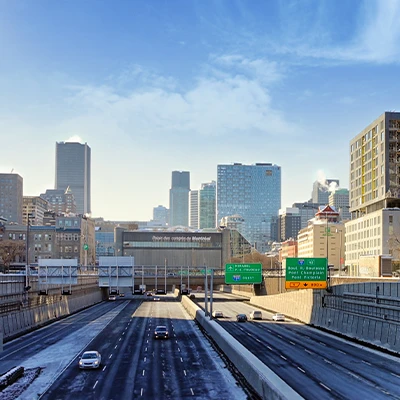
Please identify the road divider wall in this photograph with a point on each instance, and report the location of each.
(20, 322)
(264, 381)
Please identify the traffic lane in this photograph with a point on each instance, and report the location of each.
(329, 369)
(75, 383)
(16, 351)
(185, 365)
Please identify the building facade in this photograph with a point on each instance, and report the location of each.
(60, 201)
(324, 237)
(73, 164)
(254, 193)
(289, 223)
(194, 209)
(207, 205)
(322, 190)
(339, 199)
(179, 199)
(34, 207)
(11, 197)
(307, 211)
(374, 190)
(160, 214)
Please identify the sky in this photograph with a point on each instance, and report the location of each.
(159, 86)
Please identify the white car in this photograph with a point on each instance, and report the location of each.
(90, 359)
(256, 314)
(218, 314)
(156, 298)
(278, 317)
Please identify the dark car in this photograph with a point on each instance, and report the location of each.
(161, 332)
(241, 318)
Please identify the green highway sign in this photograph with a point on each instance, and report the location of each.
(306, 273)
(85, 247)
(243, 274)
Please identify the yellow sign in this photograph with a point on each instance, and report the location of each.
(305, 285)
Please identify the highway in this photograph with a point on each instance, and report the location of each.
(315, 364)
(134, 364)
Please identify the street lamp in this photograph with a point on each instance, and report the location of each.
(29, 216)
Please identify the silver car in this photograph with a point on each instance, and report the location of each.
(90, 359)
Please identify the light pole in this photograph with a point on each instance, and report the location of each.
(29, 216)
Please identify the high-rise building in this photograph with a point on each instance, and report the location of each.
(60, 201)
(73, 163)
(322, 190)
(254, 193)
(374, 195)
(289, 223)
(194, 209)
(160, 214)
(34, 207)
(307, 211)
(179, 199)
(11, 197)
(207, 205)
(340, 200)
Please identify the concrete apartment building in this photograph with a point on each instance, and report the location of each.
(11, 197)
(324, 237)
(372, 234)
(339, 199)
(60, 201)
(194, 209)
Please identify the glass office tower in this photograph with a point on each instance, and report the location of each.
(179, 199)
(73, 170)
(254, 193)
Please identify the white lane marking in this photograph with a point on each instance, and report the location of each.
(141, 392)
(283, 357)
(181, 359)
(95, 384)
(301, 369)
(327, 361)
(110, 355)
(324, 386)
(293, 343)
(279, 336)
(126, 328)
(143, 372)
(308, 351)
(323, 344)
(192, 391)
(184, 371)
(258, 340)
(269, 348)
(123, 333)
(115, 346)
(365, 362)
(145, 359)
(341, 351)
(120, 339)
(397, 376)
(104, 367)
(145, 349)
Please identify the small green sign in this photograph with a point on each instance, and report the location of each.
(85, 247)
(243, 274)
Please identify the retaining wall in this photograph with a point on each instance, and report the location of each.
(20, 322)
(368, 312)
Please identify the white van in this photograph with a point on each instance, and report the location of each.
(256, 314)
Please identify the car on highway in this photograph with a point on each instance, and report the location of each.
(218, 314)
(149, 294)
(161, 332)
(112, 298)
(278, 317)
(256, 314)
(122, 294)
(90, 359)
(156, 298)
(241, 318)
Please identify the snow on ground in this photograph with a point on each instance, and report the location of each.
(55, 359)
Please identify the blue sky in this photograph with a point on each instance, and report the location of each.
(157, 86)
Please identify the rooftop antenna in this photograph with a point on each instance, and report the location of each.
(12, 169)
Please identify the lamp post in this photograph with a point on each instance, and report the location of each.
(29, 216)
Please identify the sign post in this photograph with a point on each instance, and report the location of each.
(306, 273)
(243, 274)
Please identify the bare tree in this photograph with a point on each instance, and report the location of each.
(10, 251)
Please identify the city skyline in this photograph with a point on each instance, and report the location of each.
(157, 87)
